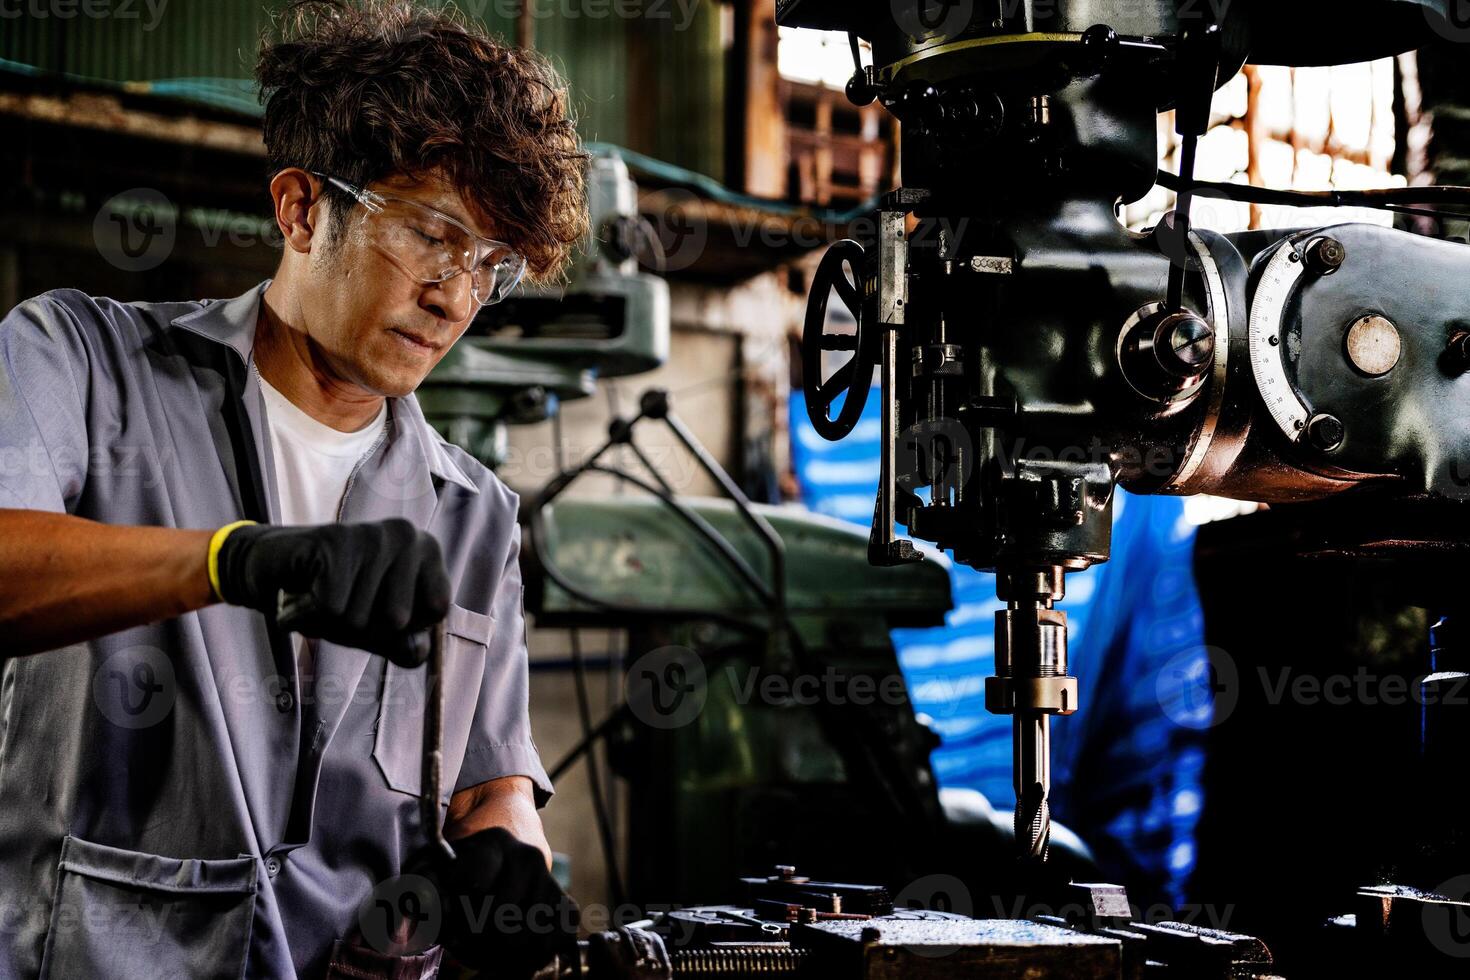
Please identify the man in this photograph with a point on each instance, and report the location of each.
(210, 730)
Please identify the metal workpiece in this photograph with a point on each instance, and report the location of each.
(941, 950)
(1091, 933)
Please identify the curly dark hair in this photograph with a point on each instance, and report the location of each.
(365, 89)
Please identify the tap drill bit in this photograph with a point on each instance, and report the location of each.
(1032, 776)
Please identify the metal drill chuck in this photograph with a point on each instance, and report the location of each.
(1031, 664)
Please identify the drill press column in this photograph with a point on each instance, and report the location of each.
(1031, 685)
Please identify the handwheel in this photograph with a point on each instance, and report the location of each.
(855, 377)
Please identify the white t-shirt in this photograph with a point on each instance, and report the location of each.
(313, 462)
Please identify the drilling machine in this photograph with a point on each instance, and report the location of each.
(1033, 353)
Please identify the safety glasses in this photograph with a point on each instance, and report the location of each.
(431, 247)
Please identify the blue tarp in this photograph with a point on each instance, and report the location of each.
(1127, 767)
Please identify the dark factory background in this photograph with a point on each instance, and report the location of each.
(133, 168)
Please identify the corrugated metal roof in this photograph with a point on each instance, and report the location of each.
(647, 74)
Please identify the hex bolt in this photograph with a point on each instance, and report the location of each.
(1325, 432)
(1325, 256)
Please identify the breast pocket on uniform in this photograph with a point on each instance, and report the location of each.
(399, 739)
(120, 913)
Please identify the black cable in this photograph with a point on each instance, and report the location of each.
(699, 524)
(1427, 212)
(862, 749)
(652, 470)
(1383, 198)
(1174, 292)
(594, 777)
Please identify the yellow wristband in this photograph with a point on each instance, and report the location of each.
(215, 544)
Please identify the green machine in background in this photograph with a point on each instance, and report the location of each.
(766, 719)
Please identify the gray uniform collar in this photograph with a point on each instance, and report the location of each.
(232, 322)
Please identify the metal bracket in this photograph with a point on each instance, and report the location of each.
(884, 546)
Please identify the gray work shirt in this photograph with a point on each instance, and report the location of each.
(169, 806)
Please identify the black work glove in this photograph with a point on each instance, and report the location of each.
(376, 586)
(503, 911)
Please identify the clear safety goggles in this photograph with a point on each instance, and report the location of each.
(431, 247)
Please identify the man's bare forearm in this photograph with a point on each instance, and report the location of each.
(506, 802)
(65, 579)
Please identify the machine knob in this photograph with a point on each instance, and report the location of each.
(859, 90)
(1099, 44)
(1185, 345)
(1163, 354)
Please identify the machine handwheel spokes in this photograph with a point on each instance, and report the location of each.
(843, 269)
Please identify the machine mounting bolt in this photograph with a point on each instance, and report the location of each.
(1325, 431)
(1325, 256)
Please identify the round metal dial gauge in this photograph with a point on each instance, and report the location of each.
(1266, 334)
